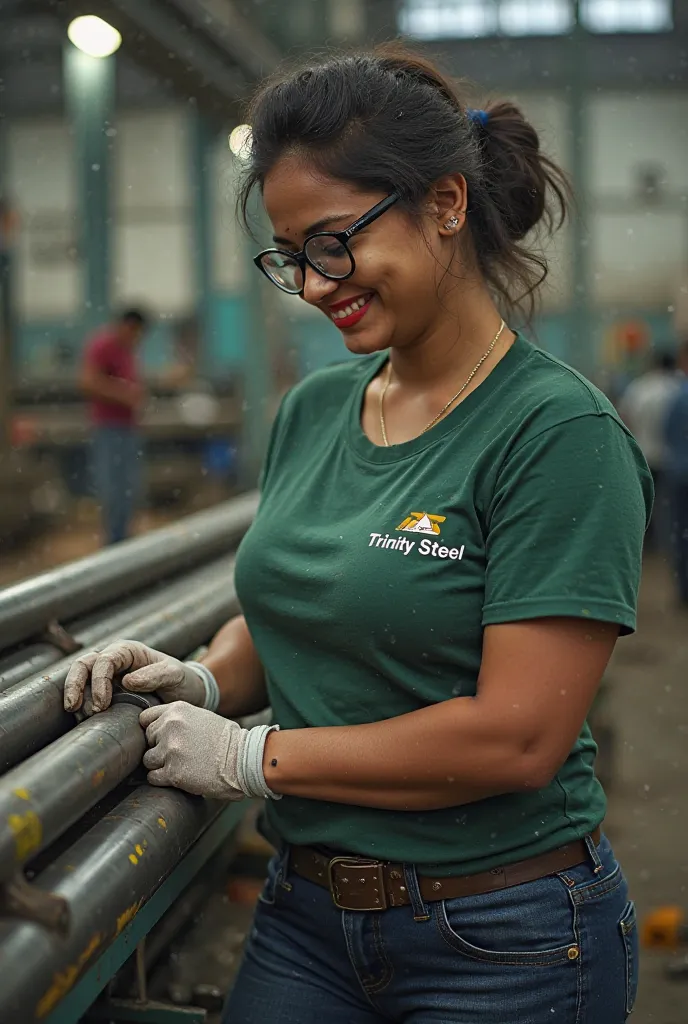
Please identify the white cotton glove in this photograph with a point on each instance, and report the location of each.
(204, 754)
(90, 678)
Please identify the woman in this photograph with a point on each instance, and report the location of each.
(447, 548)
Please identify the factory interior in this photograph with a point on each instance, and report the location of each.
(122, 139)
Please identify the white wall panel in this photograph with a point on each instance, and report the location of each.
(548, 115)
(628, 130)
(153, 221)
(639, 247)
(637, 257)
(42, 186)
(153, 266)
(231, 249)
(152, 165)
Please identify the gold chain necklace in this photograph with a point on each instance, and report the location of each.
(451, 401)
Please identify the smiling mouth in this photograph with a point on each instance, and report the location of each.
(347, 316)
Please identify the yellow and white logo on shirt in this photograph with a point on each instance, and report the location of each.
(421, 522)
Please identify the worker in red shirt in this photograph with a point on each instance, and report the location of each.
(110, 380)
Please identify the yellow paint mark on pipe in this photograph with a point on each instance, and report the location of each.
(139, 849)
(162, 823)
(63, 981)
(133, 858)
(128, 915)
(28, 833)
(23, 794)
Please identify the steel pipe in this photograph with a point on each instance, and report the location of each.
(32, 714)
(81, 586)
(21, 665)
(106, 876)
(41, 798)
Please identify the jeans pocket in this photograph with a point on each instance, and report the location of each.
(629, 935)
(531, 925)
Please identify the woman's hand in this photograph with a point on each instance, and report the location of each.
(201, 753)
(90, 678)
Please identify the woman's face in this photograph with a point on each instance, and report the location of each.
(399, 268)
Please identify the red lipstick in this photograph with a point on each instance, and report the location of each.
(351, 311)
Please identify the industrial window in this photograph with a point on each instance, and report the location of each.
(535, 17)
(467, 19)
(626, 15)
(452, 19)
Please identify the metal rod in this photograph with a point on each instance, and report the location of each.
(42, 797)
(106, 877)
(74, 589)
(19, 664)
(89, 631)
(32, 714)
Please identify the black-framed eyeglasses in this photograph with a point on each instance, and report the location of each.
(327, 252)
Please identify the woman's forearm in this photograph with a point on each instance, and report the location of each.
(233, 660)
(536, 685)
(441, 756)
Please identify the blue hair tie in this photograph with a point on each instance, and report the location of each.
(480, 117)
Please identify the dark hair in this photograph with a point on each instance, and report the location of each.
(389, 121)
(664, 361)
(135, 317)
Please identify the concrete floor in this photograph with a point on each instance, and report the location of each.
(648, 801)
(80, 535)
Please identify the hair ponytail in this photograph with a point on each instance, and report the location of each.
(391, 121)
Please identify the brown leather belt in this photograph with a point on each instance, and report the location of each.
(358, 883)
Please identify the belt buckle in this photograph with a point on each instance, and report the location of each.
(362, 872)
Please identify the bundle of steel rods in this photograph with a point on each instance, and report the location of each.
(172, 590)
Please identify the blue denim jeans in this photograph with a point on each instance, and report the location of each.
(559, 950)
(117, 461)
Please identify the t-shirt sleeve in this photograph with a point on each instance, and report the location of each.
(97, 357)
(565, 526)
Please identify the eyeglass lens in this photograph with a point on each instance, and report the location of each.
(283, 271)
(325, 252)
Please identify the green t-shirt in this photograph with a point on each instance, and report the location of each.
(369, 574)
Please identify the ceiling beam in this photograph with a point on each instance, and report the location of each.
(536, 63)
(243, 39)
(187, 49)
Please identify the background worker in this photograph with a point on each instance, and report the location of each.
(431, 785)
(676, 443)
(111, 381)
(644, 406)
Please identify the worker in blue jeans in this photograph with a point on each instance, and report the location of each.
(111, 381)
(447, 549)
(676, 477)
(117, 464)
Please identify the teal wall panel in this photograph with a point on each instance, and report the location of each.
(227, 341)
(43, 350)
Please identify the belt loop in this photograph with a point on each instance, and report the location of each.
(594, 855)
(283, 868)
(420, 910)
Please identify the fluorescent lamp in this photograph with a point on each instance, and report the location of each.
(94, 36)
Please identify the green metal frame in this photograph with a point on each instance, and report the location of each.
(89, 84)
(126, 1011)
(87, 990)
